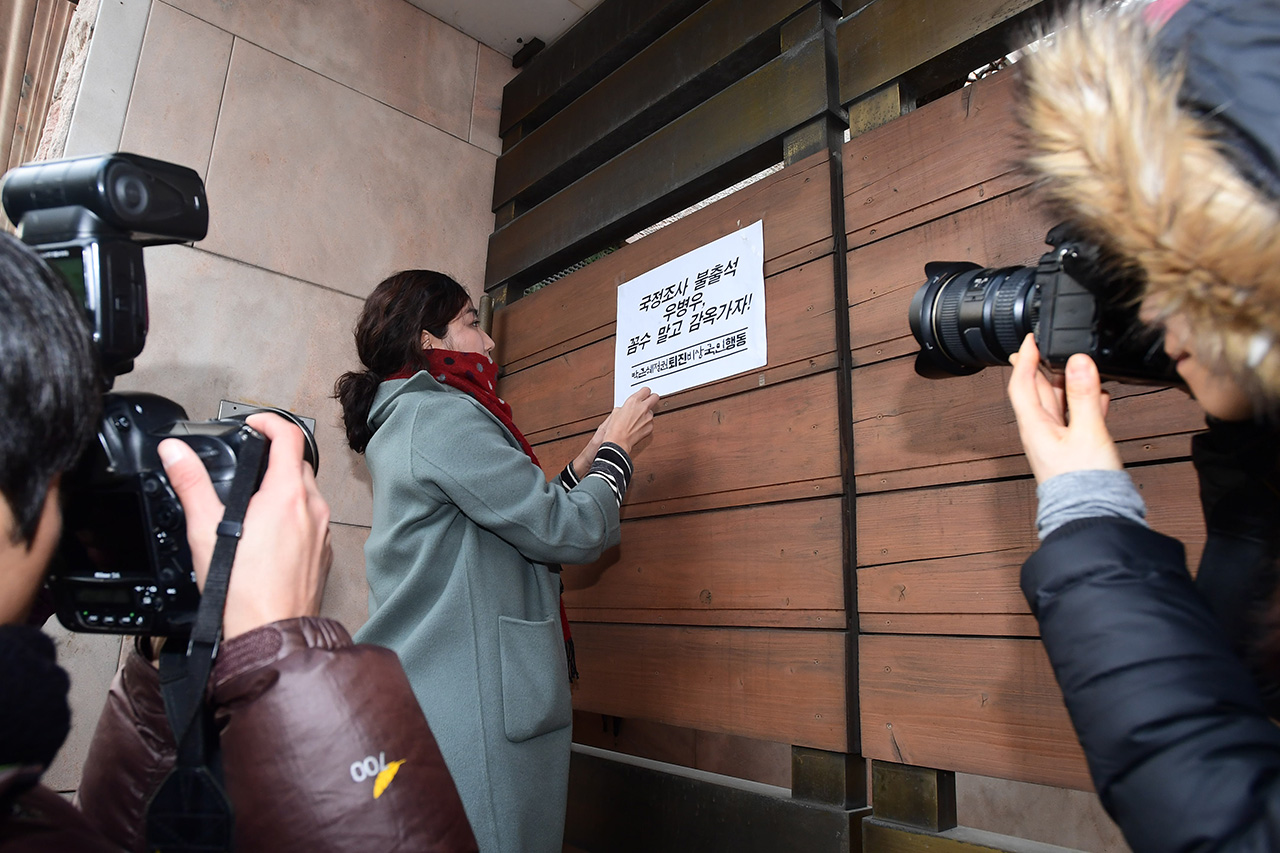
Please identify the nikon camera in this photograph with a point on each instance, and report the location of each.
(123, 565)
(968, 317)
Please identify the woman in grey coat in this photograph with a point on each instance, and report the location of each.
(462, 559)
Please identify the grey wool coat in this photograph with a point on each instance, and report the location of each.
(463, 527)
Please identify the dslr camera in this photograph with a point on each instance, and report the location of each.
(1076, 299)
(123, 565)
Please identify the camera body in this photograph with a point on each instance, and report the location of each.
(967, 317)
(123, 565)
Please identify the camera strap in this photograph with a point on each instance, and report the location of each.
(190, 811)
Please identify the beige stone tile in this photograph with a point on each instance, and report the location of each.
(91, 661)
(386, 49)
(1073, 819)
(109, 69)
(493, 71)
(173, 116)
(223, 330)
(313, 180)
(346, 595)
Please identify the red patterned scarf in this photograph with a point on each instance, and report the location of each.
(476, 374)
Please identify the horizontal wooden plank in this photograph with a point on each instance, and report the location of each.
(743, 382)
(957, 142)
(732, 444)
(726, 138)
(783, 557)
(799, 490)
(790, 618)
(717, 44)
(904, 421)
(794, 205)
(990, 518)
(951, 624)
(883, 276)
(885, 40)
(969, 584)
(974, 705)
(772, 267)
(788, 686)
(1136, 451)
(578, 385)
(605, 38)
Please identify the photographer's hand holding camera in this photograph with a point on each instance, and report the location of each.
(284, 555)
(1170, 684)
(322, 742)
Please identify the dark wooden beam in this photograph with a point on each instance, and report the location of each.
(888, 838)
(707, 51)
(638, 806)
(606, 37)
(927, 41)
(727, 138)
(916, 796)
(833, 778)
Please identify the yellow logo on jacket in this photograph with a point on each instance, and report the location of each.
(377, 768)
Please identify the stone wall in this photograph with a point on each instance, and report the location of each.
(340, 141)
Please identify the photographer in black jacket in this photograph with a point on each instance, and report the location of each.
(1165, 147)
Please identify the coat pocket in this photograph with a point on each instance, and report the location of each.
(535, 681)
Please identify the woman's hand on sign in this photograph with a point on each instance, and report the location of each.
(582, 463)
(632, 422)
(284, 554)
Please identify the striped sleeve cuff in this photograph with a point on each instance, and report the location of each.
(568, 477)
(613, 465)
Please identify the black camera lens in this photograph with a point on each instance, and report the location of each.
(968, 317)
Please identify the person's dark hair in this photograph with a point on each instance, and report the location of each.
(389, 339)
(50, 390)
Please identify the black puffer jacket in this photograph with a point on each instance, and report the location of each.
(1173, 723)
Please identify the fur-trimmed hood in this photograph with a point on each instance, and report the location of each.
(1122, 145)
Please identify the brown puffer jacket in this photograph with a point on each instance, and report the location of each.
(324, 748)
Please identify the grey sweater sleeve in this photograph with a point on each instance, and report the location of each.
(1087, 494)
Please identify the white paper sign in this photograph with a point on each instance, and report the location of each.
(693, 320)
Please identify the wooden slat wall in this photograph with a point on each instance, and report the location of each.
(596, 150)
(951, 673)
(923, 44)
(724, 608)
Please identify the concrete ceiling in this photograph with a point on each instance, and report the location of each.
(506, 25)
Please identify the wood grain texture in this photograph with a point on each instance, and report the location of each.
(578, 385)
(777, 436)
(752, 561)
(884, 40)
(788, 686)
(592, 49)
(794, 205)
(994, 517)
(903, 421)
(944, 149)
(988, 706)
(716, 44)
(721, 141)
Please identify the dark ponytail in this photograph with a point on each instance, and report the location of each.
(389, 339)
